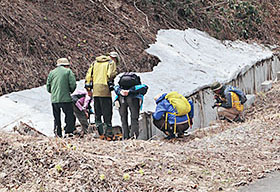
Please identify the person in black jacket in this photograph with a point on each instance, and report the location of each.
(130, 93)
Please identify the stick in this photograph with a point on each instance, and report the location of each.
(125, 24)
(140, 36)
(147, 19)
(213, 5)
(118, 50)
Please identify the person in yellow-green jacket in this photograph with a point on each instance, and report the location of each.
(229, 101)
(100, 79)
(61, 83)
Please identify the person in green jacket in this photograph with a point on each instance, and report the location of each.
(100, 78)
(61, 83)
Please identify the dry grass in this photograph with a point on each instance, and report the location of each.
(222, 157)
(34, 34)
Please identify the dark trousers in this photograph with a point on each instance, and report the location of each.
(180, 128)
(134, 108)
(103, 107)
(82, 118)
(67, 109)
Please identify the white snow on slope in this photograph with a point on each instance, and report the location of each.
(190, 60)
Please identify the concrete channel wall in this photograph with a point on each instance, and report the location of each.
(249, 81)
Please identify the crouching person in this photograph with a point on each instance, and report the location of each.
(173, 114)
(81, 105)
(229, 102)
(130, 93)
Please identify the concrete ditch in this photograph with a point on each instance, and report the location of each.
(254, 80)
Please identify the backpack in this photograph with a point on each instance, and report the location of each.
(240, 94)
(128, 80)
(179, 102)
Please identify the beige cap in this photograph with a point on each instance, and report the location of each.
(216, 86)
(62, 62)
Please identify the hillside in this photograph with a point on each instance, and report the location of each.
(222, 157)
(34, 33)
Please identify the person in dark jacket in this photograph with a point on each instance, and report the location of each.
(61, 83)
(164, 108)
(130, 97)
(228, 102)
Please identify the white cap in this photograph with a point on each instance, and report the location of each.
(114, 54)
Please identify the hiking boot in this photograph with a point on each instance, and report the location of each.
(171, 136)
(109, 139)
(76, 132)
(102, 137)
(238, 119)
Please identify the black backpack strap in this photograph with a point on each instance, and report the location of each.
(76, 97)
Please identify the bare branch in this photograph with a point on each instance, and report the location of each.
(147, 19)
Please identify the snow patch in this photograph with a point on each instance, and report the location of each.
(190, 60)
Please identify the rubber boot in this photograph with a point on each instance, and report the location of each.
(108, 132)
(99, 126)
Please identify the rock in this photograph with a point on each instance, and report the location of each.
(266, 86)
(250, 100)
(3, 175)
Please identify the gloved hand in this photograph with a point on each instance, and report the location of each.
(216, 105)
(111, 85)
(89, 86)
(217, 99)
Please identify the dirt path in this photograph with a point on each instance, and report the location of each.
(269, 184)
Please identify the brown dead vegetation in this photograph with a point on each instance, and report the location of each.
(222, 157)
(34, 33)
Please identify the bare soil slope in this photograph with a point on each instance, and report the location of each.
(219, 158)
(35, 33)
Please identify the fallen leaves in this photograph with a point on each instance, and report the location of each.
(222, 157)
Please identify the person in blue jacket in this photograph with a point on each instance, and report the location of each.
(182, 122)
